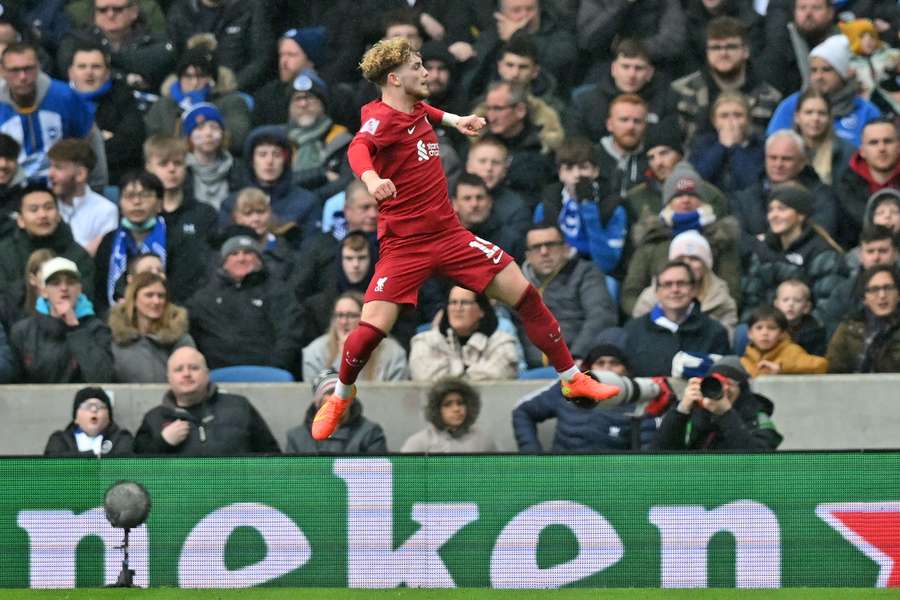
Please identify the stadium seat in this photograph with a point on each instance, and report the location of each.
(250, 374)
(539, 373)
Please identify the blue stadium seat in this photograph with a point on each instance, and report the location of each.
(250, 374)
(539, 373)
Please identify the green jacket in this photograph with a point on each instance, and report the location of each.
(646, 198)
(846, 352)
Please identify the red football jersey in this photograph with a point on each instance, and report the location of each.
(404, 149)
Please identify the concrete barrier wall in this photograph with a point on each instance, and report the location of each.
(812, 412)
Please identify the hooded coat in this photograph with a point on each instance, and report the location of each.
(853, 191)
(222, 425)
(142, 358)
(437, 439)
(358, 435)
(847, 350)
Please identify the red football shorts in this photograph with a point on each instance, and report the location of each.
(405, 263)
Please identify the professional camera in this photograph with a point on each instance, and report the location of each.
(713, 386)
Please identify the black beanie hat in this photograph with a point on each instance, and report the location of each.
(89, 393)
(793, 196)
(665, 133)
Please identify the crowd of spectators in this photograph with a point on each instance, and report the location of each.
(713, 176)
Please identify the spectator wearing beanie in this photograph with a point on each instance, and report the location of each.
(299, 49)
(197, 79)
(712, 291)
(685, 210)
(244, 316)
(241, 30)
(792, 248)
(355, 435)
(579, 429)
(92, 432)
(731, 157)
(831, 75)
(212, 167)
(664, 149)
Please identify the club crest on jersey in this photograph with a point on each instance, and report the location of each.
(370, 126)
(425, 151)
(379, 284)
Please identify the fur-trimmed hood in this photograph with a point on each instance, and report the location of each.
(124, 333)
(436, 395)
(225, 83)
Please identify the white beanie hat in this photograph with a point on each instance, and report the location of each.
(691, 243)
(836, 52)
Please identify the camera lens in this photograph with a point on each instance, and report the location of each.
(712, 388)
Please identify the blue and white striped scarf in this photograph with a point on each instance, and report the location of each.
(125, 247)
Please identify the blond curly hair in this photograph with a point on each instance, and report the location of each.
(384, 57)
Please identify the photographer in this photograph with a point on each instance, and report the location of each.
(719, 412)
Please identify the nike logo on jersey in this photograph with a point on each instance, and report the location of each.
(411, 129)
(496, 259)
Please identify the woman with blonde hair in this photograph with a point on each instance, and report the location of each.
(146, 329)
(828, 154)
(33, 284)
(387, 362)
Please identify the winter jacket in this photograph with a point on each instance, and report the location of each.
(578, 298)
(847, 352)
(750, 206)
(164, 117)
(435, 438)
(513, 210)
(142, 358)
(810, 258)
(46, 350)
(651, 239)
(596, 227)
(590, 105)
(15, 250)
(698, 18)
(242, 30)
(62, 443)
(619, 172)
(854, 189)
(840, 303)
(118, 113)
(715, 301)
(792, 358)
(9, 203)
(252, 322)
(577, 429)
(193, 223)
(271, 102)
(488, 353)
(841, 152)
(186, 261)
(809, 333)
(145, 53)
(530, 165)
(389, 356)
(659, 24)
(358, 435)
(747, 426)
(729, 169)
(848, 126)
(652, 347)
(779, 64)
(223, 425)
(290, 203)
(698, 91)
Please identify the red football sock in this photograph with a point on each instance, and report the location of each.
(357, 349)
(542, 329)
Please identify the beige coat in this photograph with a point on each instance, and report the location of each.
(433, 355)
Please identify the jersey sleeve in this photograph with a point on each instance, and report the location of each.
(435, 115)
(360, 153)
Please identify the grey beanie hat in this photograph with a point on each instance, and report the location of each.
(683, 180)
(240, 242)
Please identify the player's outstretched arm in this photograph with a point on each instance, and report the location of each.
(379, 188)
(468, 125)
(359, 153)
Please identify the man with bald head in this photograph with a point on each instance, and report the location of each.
(196, 419)
(785, 162)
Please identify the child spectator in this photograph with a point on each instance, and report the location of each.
(451, 411)
(771, 351)
(92, 431)
(209, 162)
(794, 299)
(872, 61)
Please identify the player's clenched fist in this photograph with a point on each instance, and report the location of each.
(379, 188)
(470, 124)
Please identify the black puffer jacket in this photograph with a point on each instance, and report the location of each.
(243, 34)
(357, 435)
(62, 443)
(223, 425)
(747, 426)
(46, 350)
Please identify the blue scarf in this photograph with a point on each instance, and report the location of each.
(124, 247)
(90, 98)
(83, 307)
(187, 99)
